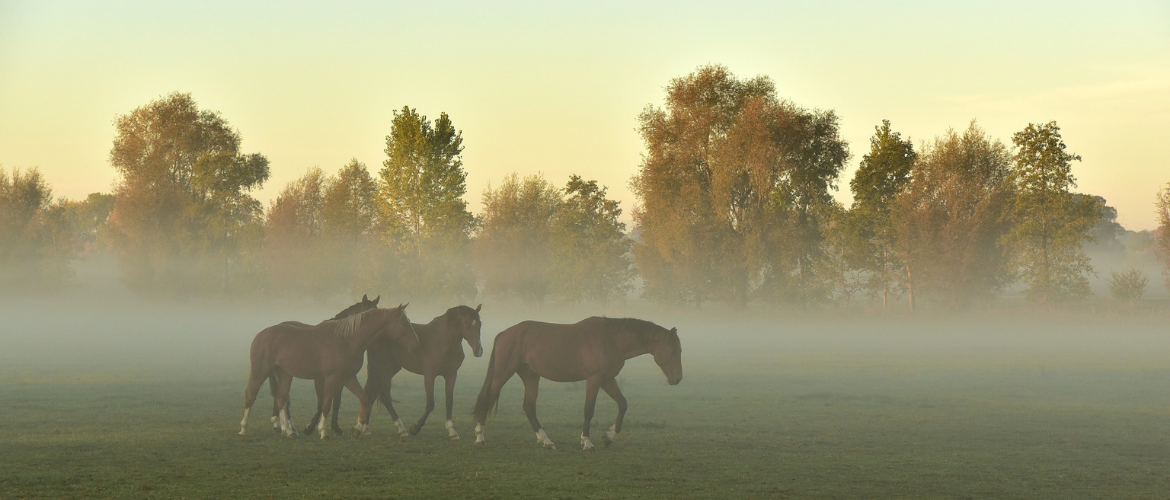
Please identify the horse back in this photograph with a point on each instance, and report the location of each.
(560, 352)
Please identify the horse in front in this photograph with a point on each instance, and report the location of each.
(594, 350)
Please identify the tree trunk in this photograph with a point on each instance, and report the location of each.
(910, 286)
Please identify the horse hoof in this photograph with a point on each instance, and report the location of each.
(550, 446)
(453, 437)
(414, 430)
(242, 433)
(589, 447)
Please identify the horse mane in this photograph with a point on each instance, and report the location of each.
(346, 326)
(644, 330)
(348, 311)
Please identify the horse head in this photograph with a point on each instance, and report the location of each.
(667, 354)
(465, 320)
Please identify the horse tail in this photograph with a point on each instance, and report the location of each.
(485, 402)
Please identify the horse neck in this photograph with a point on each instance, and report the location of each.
(444, 337)
(366, 333)
(632, 344)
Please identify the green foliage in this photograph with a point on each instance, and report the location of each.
(950, 221)
(421, 207)
(88, 220)
(294, 250)
(514, 248)
(1128, 285)
(183, 221)
(1049, 222)
(733, 192)
(591, 252)
(1162, 234)
(349, 218)
(36, 242)
(884, 173)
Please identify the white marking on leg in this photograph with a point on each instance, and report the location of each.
(586, 444)
(322, 426)
(286, 424)
(543, 439)
(275, 423)
(401, 428)
(451, 434)
(612, 432)
(360, 428)
(479, 434)
(244, 422)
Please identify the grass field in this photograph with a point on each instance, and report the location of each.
(782, 408)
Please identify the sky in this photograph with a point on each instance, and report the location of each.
(556, 87)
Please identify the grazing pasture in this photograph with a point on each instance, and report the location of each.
(102, 403)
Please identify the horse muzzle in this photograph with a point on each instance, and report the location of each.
(478, 352)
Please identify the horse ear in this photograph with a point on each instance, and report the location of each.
(376, 299)
(674, 330)
(364, 298)
(403, 306)
(477, 307)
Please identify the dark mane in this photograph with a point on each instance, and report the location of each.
(348, 311)
(638, 327)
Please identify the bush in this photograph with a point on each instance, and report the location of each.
(1128, 285)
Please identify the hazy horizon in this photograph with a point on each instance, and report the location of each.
(557, 89)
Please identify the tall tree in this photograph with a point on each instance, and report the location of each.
(1050, 223)
(883, 174)
(1162, 234)
(514, 246)
(950, 220)
(182, 208)
(421, 188)
(733, 190)
(349, 217)
(295, 255)
(35, 241)
(590, 251)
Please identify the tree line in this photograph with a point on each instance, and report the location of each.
(734, 206)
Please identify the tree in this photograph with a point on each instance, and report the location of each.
(88, 219)
(35, 242)
(733, 191)
(421, 207)
(514, 245)
(349, 218)
(883, 174)
(294, 250)
(1162, 234)
(590, 251)
(950, 220)
(1050, 223)
(182, 213)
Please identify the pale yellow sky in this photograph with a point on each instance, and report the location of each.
(557, 88)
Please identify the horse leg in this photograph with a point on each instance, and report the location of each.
(332, 390)
(610, 386)
(284, 383)
(429, 385)
(275, 409)
(591, 386)
(449, 385)
(363, 422)
(319, 385)
(531, 388)
(337, 407)
(378, 382)
(489, 395)
(254, 382)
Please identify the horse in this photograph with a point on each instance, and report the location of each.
(594, 350)
(331, 350)
(440, 354)
(364, 305)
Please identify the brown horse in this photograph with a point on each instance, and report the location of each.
(364, 305)
(440, 354)
(593, 350)
(331, 351)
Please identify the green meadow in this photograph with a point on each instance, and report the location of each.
(101, 405)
